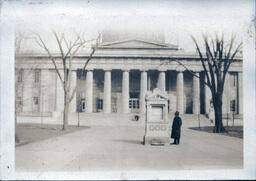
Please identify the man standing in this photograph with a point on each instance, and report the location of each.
(176, 128)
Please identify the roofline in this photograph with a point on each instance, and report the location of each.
(187, 56)
(165, 45)
(150, 48)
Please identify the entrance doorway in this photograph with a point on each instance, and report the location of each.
(134, 105)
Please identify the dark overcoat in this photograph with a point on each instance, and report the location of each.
(176, 127)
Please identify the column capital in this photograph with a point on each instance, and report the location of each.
(195, 70)
(180, 68)
(73, 70)
(162, 70)
(89, 69)
(180, 71)
(143, 70)
(107, 70)
(125, 70)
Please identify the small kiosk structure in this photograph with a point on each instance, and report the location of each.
(157, 122)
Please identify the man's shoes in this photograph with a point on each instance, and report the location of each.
(172, 143)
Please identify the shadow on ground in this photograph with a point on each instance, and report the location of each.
(233, 131)
(137, 142)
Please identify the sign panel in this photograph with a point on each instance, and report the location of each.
(156, 114)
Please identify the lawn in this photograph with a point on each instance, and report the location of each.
(234, 131)
(28, 133)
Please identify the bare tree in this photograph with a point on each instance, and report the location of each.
(219, 55)
(216, 62)
(67, 50)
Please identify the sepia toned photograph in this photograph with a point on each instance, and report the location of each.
(129, 86)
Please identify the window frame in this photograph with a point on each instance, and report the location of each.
(20, 75)
(36, 100)
(37, 76)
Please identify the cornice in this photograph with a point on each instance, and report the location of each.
(176, 56)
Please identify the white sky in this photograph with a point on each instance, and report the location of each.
(176, 19)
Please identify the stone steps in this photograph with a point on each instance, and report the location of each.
(118, 119)
(128, 119)
(90, 119)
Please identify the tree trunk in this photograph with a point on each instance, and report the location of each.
(218, 128)
(66, 111)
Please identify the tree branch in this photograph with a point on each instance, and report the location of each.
(202, 61)
(42, 45)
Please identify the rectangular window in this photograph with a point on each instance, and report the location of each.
(130, 104)
(37, 74)
(36, 104)
(19, 101)
(20, 75)
(100, 104)
(234, 83)
(138, 104)
(134, 103)
(36, 101)
(19, 104)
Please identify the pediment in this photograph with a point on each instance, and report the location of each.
(157, 94)
(136, 43)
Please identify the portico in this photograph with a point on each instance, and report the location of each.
(119, 75)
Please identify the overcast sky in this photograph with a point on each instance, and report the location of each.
(175, 19)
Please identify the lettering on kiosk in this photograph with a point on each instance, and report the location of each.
(157, 127)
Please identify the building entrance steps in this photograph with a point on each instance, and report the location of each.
(101, 119)
(120, 119)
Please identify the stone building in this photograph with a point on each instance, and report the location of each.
(117, 78)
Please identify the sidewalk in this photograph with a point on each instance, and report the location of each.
(120, 148)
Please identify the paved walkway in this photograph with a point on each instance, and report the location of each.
(119, 148)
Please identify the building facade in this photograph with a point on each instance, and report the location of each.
(117, 79)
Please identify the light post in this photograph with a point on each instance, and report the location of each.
(79, 109)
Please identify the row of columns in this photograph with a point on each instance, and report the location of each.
(143, 90)
(46, 105)
(180, 91)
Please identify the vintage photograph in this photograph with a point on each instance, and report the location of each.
(129, 85)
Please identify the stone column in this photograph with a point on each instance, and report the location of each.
(50, 90)
(28, 80)
(72, 106)
(161, 80)
(226, 96)
(240, 93)
(180, 90)
(143, 91)
(59, 93)
(44, 88)
(125, 92)
(207, 96)
(196, 94)
(89, 91)
(149, 82)
(107, 92)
